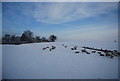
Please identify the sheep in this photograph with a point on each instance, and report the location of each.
(75, 48)
(105, 51)
(44, 48)
(113, 53)
(50, 49)
(115, 50)
(93, 51)
(112, 56)
(47, 47)
(65, 46)
(87, 52)
(107, 54)
(83, 50)
(53, 47)
(72, 48)
(77, 52)
(118, 53)
(99, 52)
(102, 55)
(88, 48)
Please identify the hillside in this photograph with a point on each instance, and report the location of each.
(31, 61)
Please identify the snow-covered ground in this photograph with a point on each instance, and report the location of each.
(29, 61)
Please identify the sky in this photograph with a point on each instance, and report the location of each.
(95, 21)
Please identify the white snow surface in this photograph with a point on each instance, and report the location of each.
(29, 61)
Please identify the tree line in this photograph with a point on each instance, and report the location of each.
(26, 37)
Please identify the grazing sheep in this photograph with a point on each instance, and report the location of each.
(75, 47)
(72, 48)
(118, 53)
(65, 46)
(47, 47)
(107, 54)
(44, 48)
(112, 56)
(93, 51)
(77, 52)
(89, 48)
(113, 53)
(101, 55)
(83, 50)
(99, 52)
(115, 50)
(50, 49)
(108, 50)
(105, 51)
(87, 52)
(53, 47)
(98, 49)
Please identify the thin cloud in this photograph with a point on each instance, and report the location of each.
(91, 32)
(59, 13)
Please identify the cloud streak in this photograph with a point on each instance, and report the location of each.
(60, 13)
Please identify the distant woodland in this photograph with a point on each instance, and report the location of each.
(26, 37)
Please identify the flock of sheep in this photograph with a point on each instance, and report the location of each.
(101, 52)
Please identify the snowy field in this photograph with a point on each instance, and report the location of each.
(30, 61)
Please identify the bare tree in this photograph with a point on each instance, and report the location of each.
(52, 38)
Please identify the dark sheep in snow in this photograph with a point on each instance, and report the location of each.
(83, 50)
(87, 52)
(44, 48)
(77, 52)
(93, 51)
(72, 48)
(65, 46)
(50, 49)
(53, 47)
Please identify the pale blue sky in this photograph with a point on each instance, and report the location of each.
(67, 20)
